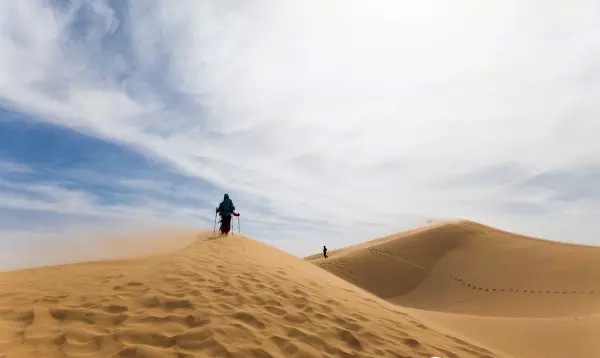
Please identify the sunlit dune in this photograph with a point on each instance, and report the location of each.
(218, 297)
(522, 296)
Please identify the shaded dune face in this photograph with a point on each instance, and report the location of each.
(469, 268)
(219, 297)
(392, 266)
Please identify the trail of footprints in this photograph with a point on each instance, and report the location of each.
(197, 313)
(474, 287)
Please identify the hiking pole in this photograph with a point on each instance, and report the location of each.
(215, 228)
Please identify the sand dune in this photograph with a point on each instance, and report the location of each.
(219, 297)
(519, 295)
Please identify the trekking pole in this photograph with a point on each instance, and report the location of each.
(215, 228)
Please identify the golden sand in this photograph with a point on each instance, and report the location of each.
(515, 295)
(218, 297)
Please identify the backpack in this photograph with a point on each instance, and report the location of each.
(227, 207)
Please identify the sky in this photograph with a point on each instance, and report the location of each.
(328, 122)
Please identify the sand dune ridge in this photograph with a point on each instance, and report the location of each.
(219, 297)
(503, 290)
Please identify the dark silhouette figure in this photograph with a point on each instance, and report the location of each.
(325, 252)
(225, 210)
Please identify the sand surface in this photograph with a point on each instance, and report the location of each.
(521, 296)
(218, 297)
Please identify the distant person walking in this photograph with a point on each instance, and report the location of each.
(325, 252)
(225, 210)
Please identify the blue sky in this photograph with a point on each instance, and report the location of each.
(328, 122)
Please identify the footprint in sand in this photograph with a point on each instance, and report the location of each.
(249, 319)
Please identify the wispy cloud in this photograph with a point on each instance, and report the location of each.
(12, 167)
(342, 111)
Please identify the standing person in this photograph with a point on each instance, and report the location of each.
(325, 252)
(225, 210)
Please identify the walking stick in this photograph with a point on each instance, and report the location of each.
(215, 228)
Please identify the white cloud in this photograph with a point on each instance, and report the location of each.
(53, 198)
(348, 111)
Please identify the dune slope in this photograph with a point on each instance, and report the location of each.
(465, 267)
(484, 283)
(220, 297)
